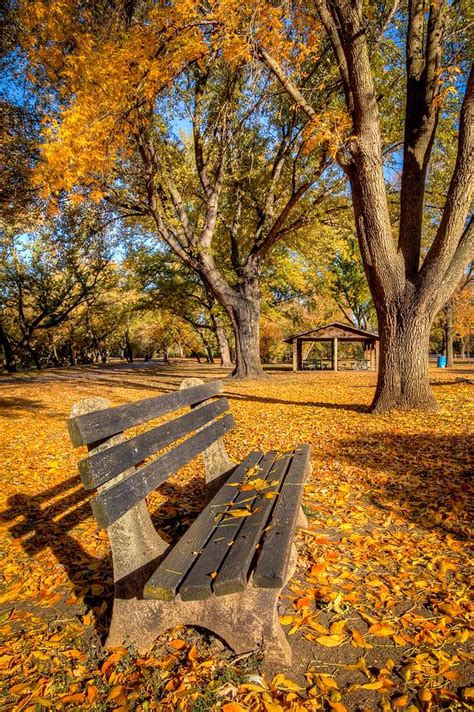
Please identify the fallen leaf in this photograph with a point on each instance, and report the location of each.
(330, 641)
(177, 643)
(384, 630)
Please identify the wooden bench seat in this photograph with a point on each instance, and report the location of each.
(227, 571)
(216, 553)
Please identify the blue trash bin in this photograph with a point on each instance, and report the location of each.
(441, 361)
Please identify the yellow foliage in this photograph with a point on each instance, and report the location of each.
(106, 72)
(330, 128)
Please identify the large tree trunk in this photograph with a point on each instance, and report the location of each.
(394, 272)
(245, 320)
(243, 308)
(403, 380)
(245, 317)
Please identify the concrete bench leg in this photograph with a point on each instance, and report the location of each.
(246, 621)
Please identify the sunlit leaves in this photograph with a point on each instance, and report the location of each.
(372, 575)
(107, 75)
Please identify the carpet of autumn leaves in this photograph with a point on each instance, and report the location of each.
(378, 611)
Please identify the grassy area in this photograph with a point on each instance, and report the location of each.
(377, 613)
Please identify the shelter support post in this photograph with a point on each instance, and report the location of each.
(297, 355)
(334, 353)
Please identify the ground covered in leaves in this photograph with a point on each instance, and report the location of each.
(378, 612)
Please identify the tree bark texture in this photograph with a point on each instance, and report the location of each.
(245, 317)
(243, 308)
(403, 366)
(242, 305)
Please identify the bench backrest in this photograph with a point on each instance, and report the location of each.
(113, 468)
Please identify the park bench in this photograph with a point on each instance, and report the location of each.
(227, 571)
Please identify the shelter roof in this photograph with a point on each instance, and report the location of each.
(335, 329)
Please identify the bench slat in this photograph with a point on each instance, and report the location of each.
(233, 574)
(198, 583)
(272, 564)
(101, 467)
(164, 583)
(114, 502)
(99, 425)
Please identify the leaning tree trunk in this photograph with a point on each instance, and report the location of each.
(207, 348)
(223, 343)
(403, 380)
(54, 356)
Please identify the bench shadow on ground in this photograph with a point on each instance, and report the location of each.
(39, 525)
(430, 477)
(47, 520)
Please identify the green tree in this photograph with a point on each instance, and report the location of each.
(166, 283)
(46, 275)
(348, 285)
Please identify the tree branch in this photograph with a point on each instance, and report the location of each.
(450, 253)
(421, 120)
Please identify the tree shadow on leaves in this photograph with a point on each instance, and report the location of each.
(454, 382)
(429, 477)
(9, 407)
(162, 378)
(354, 407)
